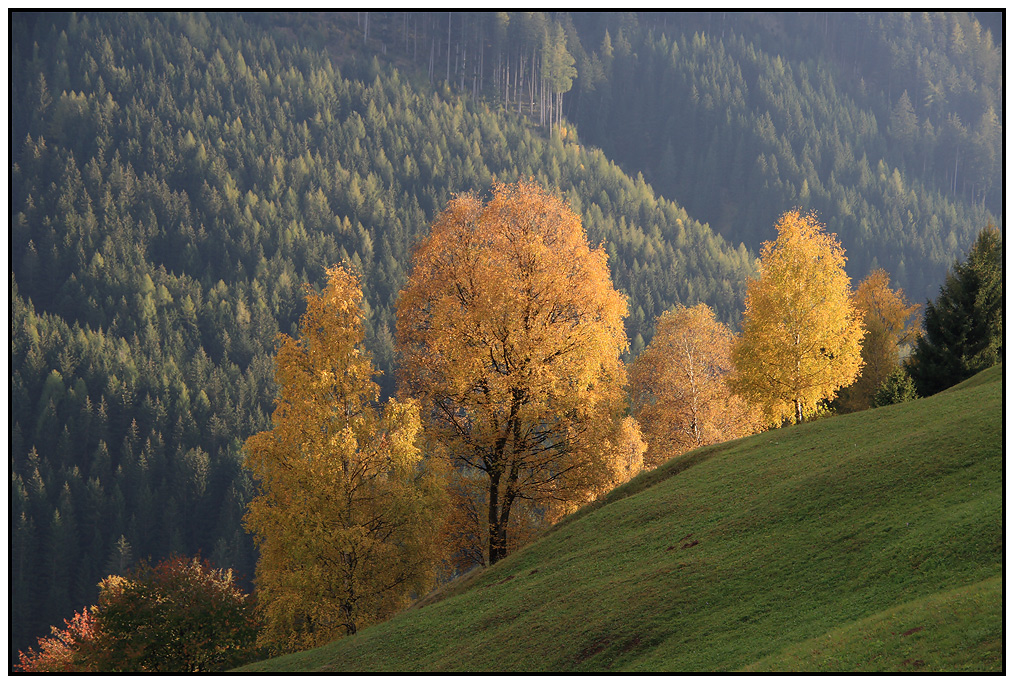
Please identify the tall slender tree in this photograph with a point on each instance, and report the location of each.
(891, 322)
(802, 334)
(346, 513)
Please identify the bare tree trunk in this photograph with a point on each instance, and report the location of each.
(433, 48)
(531, 87)
(482, 59)
(520, 70)
(542, 104)
(954, 183)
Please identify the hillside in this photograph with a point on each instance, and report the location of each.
(872, 541)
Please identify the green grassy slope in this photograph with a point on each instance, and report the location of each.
(871, 541)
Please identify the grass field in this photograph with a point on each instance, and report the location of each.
(866, 542)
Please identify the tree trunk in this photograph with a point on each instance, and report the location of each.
(433, 48)
(350, 623)
(497, 532)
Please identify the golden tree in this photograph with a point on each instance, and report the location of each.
(678, 386)
(346, 512)
(891, 322)
(510, 332)
(802, 334)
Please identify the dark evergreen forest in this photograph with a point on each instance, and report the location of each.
(176, 178)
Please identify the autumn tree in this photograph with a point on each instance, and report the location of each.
(61, 651)
(510, 332)
(626, 449)
(802, 334)
(964, 326)
(179, 615)
(346, 511)
(891, 322)
(678, 385)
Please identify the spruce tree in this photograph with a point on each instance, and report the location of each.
(964, 326)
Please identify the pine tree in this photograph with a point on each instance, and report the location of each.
(964, 326)
(121, 558)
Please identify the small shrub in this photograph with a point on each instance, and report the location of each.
(896, 388)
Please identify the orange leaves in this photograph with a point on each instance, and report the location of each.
(891, 322)
(61, 651)
(801, 331)
(678, 386)
(510, 333)
(886, 309)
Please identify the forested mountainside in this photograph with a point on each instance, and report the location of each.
(175, 178)
(889, 125)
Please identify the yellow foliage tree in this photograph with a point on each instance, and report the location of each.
(346, 512)
(678, 386)
(802, 333)
(510, 333)
(891, 322)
